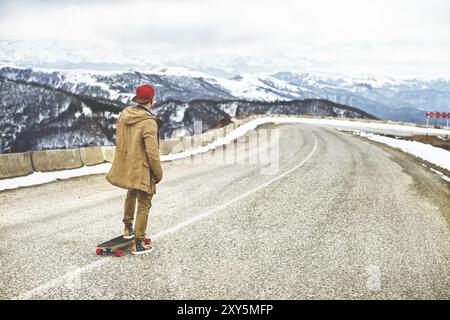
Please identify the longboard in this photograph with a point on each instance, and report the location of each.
(115, 246)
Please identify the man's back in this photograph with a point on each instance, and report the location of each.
(136, 163)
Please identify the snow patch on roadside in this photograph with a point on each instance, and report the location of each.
(37, 178)
(441, 174)
(233, 135)
(427, 152)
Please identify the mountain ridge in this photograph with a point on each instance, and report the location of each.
(391, 99)
(37, 117)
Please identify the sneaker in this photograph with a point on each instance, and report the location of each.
(141, 246)
(128, 233)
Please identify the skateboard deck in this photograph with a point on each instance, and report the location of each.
(115, 246)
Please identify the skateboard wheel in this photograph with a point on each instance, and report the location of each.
(147, 241)
(99, 252)
(118, 253)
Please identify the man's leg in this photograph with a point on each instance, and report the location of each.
(144, 205)
(129, 208)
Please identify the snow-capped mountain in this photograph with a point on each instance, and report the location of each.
(119, 87)
(388, 98)
(43, 108)
(35, 117)
(45, 116)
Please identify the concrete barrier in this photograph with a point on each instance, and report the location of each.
(108, 153)
(53, 160)
(197, 140)
(173, 145)
(15, 165)
(228, 128)
(207, 137)
(178, 147)
(219, 133)
(191, 142)
(241, 122)
(91, 156)
(188, 143)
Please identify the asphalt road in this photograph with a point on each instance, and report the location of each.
(342, 218)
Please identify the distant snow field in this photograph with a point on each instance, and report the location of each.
(437, 156)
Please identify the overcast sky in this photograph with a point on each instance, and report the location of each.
(392, 37)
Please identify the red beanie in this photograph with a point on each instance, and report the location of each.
(144, 94)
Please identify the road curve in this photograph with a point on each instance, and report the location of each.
(342, 218)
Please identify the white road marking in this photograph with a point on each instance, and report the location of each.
(234, 200)
(64, 278)
(58, 281)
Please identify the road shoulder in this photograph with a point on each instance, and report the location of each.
(426, 182)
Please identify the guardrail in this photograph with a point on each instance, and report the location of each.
(22, 164)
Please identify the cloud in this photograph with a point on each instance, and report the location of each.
(351, 35)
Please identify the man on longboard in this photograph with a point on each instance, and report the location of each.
(136, 164)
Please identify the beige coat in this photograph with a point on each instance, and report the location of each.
(136, 162)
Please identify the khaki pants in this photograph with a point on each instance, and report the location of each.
(144, 204)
